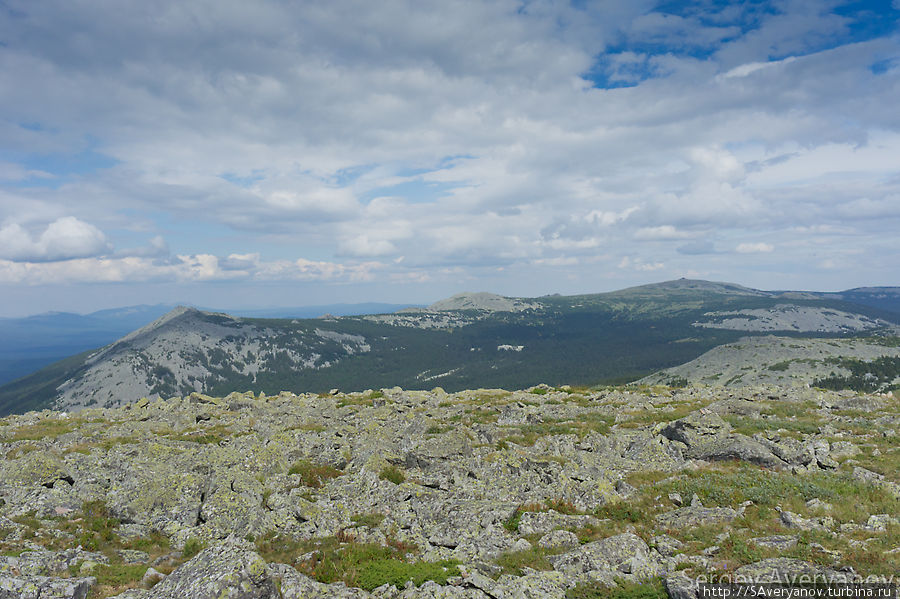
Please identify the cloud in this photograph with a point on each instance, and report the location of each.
(661, 233)
(365, 132)
(754, 248)
(697, 248)
(182, 269)
(11, 171)
(63, 239)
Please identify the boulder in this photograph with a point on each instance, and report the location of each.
(229, 570)
(625, 553)
(696, 516)
(538, 523)
(679, 586)
(43, 587)
(696, 428)
(558, 539)
(783, 570)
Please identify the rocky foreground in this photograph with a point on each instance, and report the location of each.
(480, 494)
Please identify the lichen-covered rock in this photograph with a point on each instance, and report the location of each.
(679, 586)
(538, 523)
(229, 570)
(695, 516)
(623, 554)
(533, 585)
(558, 539)
(734, 447)
(48, 563)
(43, 587)
(779, 542)
(35, 468)
(783, 570)
(696, 428)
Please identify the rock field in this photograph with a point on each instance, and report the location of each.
(483, 494)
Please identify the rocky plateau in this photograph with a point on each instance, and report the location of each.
(481, 494)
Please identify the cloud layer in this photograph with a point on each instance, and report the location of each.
(478, 143)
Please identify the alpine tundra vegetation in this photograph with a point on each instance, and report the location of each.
(557, 492)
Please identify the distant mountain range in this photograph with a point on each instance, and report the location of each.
(30, 343)
(467, 341)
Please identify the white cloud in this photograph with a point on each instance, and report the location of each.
(374, 131)
(11, 171)
(63, 239)
(752, 67)
(661, 233)
(182, 268)
(754, 248)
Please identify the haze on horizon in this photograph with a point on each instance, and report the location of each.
(287, 154)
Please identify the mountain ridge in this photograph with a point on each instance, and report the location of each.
(468, 340)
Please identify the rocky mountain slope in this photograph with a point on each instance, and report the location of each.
(390, 494)
(469, 340)
(787, 361)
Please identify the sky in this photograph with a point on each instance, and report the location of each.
(255, 154)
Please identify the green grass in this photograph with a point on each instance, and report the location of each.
(535, 558)
(512, 523)
(192, 547)
(397, 572)
(314, 475)
(365, 565)
(393, 474)
(44, 429)
(731, 485)
(370, 519)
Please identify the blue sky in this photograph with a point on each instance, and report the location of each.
(234, 155)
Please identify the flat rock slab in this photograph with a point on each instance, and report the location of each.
(625, 553)
(696, 516)
(230, 570)
(539, 523)
(43, 587)
(782, 570)
(780, 542)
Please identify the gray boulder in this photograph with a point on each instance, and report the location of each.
(696, 428)
(679, 586)
(782, 570)
(696, 516)
(626, 553)
(43, 587)
(229, 570)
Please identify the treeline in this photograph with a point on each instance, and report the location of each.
(867, 376)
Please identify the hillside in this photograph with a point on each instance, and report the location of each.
(470, 340)
(542, 493)
(792, 361)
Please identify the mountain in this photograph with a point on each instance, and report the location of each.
(30, 343)
(467, 341)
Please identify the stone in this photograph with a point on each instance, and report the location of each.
(624, 553)
(779, 542)
(695, 516)
(43, 587)
(782, 570)
(679, 586)
(696, 428)
(537, 523)
(666, 546)
(792, 520)
(231, 569)
(559, 539)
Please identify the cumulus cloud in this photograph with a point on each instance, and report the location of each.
(63, 239)
(182, 269)
(378, 131)
(754, 248)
